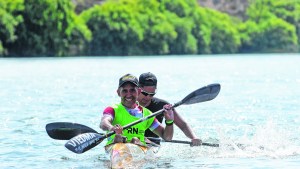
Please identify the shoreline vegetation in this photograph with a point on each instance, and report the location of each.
(143, 28)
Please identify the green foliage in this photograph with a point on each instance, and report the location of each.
(114, 28)
(139, 27)
(216, 32)
(50, 27)
(273, 35)
(159, 32)
(9, 19)
(185, 43)
(272, 26)
(181, 8)
(289, 11)
(225, 36)
(179, 14)
(259, 10)
(120, 28)
(157, 26)
(201, 30)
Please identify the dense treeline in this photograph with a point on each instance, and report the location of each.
(138, 27)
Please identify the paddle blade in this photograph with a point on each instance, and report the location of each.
(84, 142)
(203, 94)
(66, 130)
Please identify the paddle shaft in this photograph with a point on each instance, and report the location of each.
(190, 143)
(157, 140)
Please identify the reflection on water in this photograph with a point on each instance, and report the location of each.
(255, 118)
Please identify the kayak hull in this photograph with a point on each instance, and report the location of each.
(123, 155)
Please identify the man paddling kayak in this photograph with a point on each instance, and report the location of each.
(121, 114)
(148, 85)
(128, 93)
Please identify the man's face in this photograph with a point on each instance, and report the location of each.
(147, 92)
(128, 93)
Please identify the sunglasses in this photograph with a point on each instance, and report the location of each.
(147, 93)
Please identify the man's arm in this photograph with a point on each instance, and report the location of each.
(186, 129)
(106, 123)
(107, 119)
(167, 132)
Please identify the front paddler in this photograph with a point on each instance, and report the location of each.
(128, 111)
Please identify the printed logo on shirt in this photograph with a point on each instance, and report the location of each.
(133, 130)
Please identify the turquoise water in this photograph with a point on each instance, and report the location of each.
(255, 118)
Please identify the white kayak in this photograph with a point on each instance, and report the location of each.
(127, 155)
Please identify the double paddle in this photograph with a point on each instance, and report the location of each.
(67, 130)
(90, 138)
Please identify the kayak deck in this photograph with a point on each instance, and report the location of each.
(123, 155)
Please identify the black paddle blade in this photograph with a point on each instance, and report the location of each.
(66, 130)
(203, 94)
(84, 142)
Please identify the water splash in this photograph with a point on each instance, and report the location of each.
(267, 140)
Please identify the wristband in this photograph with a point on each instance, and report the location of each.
(169, 122)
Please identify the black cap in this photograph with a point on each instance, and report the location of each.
(128, 78)
(147, 79)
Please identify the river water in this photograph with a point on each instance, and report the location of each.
(255, 118)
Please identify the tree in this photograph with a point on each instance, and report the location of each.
(49, 28)
(128, 27)
(266, 30)
(9, 20)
